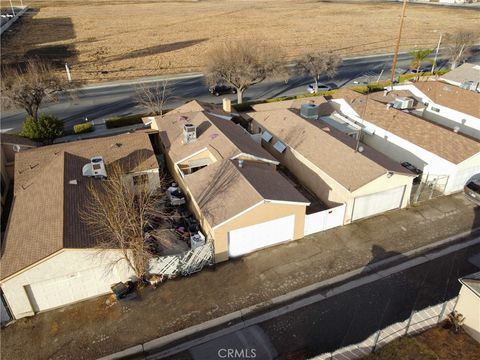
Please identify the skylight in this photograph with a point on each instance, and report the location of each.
(267, 136)
(280, 147)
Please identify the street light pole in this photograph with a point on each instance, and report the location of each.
(397, 46)
(436, 53)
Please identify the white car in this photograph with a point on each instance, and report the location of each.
(321, 88)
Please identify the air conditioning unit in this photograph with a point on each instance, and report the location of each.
(309, 111)
(95, 168)
(403, 103)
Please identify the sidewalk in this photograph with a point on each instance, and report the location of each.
(90, 330)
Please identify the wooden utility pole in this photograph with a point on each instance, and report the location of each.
(397, 46)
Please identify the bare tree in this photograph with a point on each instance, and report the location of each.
(154, 97)
(30, 87)
(458, 46)
(318, 63)
(118, 213)
(242, 64)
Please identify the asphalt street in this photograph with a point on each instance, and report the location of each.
(349, 317)
(100, 103)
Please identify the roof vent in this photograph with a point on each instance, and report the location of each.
(116, 145)
(240, 163)
(73, 182)
(456, 129)
(309, 111)
(16, 148)
(189, 133)
(95, 168)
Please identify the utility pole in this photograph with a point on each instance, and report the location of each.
(436, 53)
(397, 46)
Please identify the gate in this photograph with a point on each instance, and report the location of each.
(431, 186)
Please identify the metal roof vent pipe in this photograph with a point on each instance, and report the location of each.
(456, 129)
(240, 163)
(227, 105)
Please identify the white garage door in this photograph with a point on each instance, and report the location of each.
(67, 289)
(245, 240)
(377, 203)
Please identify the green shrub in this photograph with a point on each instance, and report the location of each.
(45, 129)
(362, 89)
(443, 72)
(83, 128)
(116, 122)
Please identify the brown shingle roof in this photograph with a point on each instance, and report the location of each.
(222, 190)
(16, 139)
(454, 147)
(327, 148)
(451, 96)
(45, 213)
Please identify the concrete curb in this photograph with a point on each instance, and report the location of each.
(141, 351)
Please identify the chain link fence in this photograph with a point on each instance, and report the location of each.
(417, 322)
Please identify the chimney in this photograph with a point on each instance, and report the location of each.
(189, 133)
(227, 105)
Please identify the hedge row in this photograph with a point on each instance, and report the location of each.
(83, 128)
(116, 122)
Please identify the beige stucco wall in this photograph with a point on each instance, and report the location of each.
(469, 306)
(61, 264)
(264, 212)
(325, 187)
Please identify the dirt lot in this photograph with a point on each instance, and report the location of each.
(126, 39)
(438, 343)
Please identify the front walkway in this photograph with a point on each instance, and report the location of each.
(90, 329)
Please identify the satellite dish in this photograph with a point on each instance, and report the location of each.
(16, 147)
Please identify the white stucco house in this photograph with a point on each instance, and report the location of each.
(447, 105)
(441, 153)
(49, 256)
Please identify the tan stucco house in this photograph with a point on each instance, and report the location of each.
(469, 304)
(231, 182)
(49, 256)
(329, 162)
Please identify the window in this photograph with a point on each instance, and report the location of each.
(267, 136)
(435, 109)
(280, 147)
(140, 179)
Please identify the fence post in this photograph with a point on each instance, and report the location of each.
(409, 322)
(442, 312)
(376, 340)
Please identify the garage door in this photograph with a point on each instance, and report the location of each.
(377, 203)
(67, 289)
(245, 240)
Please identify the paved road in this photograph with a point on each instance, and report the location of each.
(351, 316)
(119, 99)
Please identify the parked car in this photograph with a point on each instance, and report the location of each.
(414, 170)
(422, 69)
(472, 189)
(321, 87)
(221, 89)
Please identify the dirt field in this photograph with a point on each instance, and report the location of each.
(108, 40)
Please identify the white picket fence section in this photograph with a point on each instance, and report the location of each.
(183, 264)
(324, 220)
(417, 322)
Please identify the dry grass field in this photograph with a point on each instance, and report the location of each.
(120, 39)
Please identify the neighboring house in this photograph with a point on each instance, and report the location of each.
(447, 158)
(49, 257)
(466, 75)
(232, 185)
(469, 304)
(447, 105)
(302, 137)
(9, 145)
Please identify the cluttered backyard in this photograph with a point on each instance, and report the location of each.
(100, 41)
